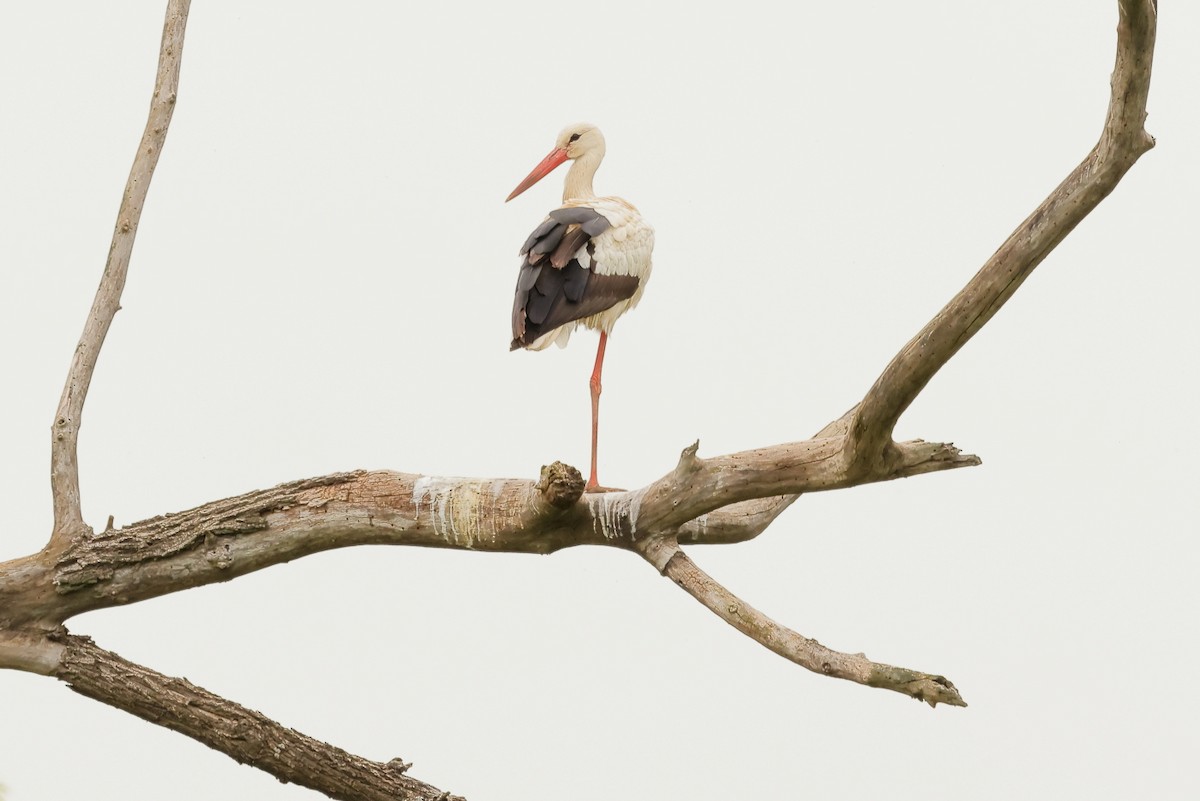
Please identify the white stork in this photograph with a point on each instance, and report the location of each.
(586, 264)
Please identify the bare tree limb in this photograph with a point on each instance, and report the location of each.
(64, 433)
(248, 736)
(225, 539)
(1122, 142)
(673, 563)
(700, 486)
(865, 432)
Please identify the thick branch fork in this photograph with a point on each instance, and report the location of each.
(725, 499)
(718, 499)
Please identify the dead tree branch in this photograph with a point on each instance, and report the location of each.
(64, 433)
(1122, 141)
(249, 737)
(808, 653)
(225, 539)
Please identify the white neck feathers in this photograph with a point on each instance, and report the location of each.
(579, 178)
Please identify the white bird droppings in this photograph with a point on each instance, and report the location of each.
(456, 507)
(611, 510)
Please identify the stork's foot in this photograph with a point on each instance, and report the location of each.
(598, 488)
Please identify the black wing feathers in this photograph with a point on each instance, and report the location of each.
(537, 234)
(550, 240)
(575, 281)
(571, 242)
(548, 298)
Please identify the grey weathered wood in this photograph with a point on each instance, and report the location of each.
(1123, 139)
(64, 432)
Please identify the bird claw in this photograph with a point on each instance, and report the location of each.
(598, 488)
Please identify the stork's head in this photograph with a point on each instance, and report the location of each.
(579, 141)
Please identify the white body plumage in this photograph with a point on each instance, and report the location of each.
(624, 249)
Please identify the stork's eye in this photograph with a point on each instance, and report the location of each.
(574, 138)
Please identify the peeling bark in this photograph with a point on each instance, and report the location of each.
(247, 736)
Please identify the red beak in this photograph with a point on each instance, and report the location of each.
(557, 156)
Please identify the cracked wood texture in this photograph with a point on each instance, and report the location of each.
(721, 499)
(247, 736)
(225, 539)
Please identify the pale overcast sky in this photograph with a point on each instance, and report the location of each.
(323, 280)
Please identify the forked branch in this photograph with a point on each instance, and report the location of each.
(1122, 140)
(225, 539)
(865, 432)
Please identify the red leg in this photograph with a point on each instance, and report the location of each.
(594, 482)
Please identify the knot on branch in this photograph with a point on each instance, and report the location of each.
(560, 484)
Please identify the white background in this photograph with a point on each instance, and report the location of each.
(322, 281)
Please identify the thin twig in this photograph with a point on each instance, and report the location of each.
(673, 563)
(64, 432)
